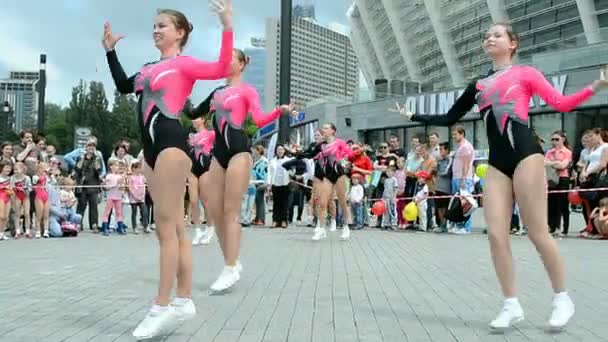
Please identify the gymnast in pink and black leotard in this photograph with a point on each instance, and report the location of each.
(503, 98)
(162, 88)
(517, 166)
(232, 104)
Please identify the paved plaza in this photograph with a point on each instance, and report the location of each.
(380, 286)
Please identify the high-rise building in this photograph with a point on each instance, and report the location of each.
(19, 89)
(438, 43)
(323, 63)
(254, 73)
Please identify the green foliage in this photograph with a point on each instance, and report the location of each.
(250, 127)
(89, 108)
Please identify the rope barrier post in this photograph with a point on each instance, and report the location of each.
(285, 69)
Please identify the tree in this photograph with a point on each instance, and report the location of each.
(58, 131)
(123, 119)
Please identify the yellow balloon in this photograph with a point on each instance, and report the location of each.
(410, 212)
(481, 170)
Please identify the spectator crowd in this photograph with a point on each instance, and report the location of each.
(45, 195)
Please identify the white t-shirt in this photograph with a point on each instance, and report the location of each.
(421, 195)
(356, 193)
(595, 157)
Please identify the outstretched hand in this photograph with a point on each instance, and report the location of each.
(289, 109)
(223, 8)
(109, 39)
(402, 110)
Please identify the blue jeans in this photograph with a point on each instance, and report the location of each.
(390, 217)
(469, 186)
(246, 206)
(55, 222)
(357, 209)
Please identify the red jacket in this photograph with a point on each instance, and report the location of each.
(363, 162)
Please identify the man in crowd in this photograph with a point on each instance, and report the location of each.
(462, 170)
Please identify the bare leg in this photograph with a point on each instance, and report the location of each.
(498, 207)
(195, 214)
(531, 194)
(214, 184)
(324, 194)
(167, 183)
(17, 216)
(5, 208)
(39, 215)
(340, 189)
(237, 181)
(203, 194)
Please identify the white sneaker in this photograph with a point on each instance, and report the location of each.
(184, 308)
(345, 233)
(563, 310)
(239, 266)
(37, 235)
(462, 231)
(198, 236)
(207, 235)
(511, 313)
(332, 226)
(319, 234)
(4, 237)
(156, 323)
(226, 280)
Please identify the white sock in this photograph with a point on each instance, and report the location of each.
(181, 300)
(561, 295)
(512, 300)
(158, 308)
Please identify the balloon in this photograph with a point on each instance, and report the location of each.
(575, 198)
(378, 208)
(481, 170)
(410, 212)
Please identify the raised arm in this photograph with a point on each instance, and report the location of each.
(312, 151)
(260, 119)
(463, 105)
(538, 85)
(124, 84)
(201, 70)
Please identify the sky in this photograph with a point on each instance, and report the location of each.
(70, 31)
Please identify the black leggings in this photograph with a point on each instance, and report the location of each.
(296, 197)
(558, 207)
(150, 206)
(88, 199)
(280, 200)
(143, 211)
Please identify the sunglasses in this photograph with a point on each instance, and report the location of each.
(554, 139)
(383, 147)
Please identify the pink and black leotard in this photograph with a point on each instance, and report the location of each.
(503, 98)
(202, 144)
(332, 155)
(162, 88)
(231, 106)
(5, 183)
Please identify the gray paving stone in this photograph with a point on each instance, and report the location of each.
(380, 286)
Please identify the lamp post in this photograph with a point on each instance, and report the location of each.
(285, 68)
(41, 93)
